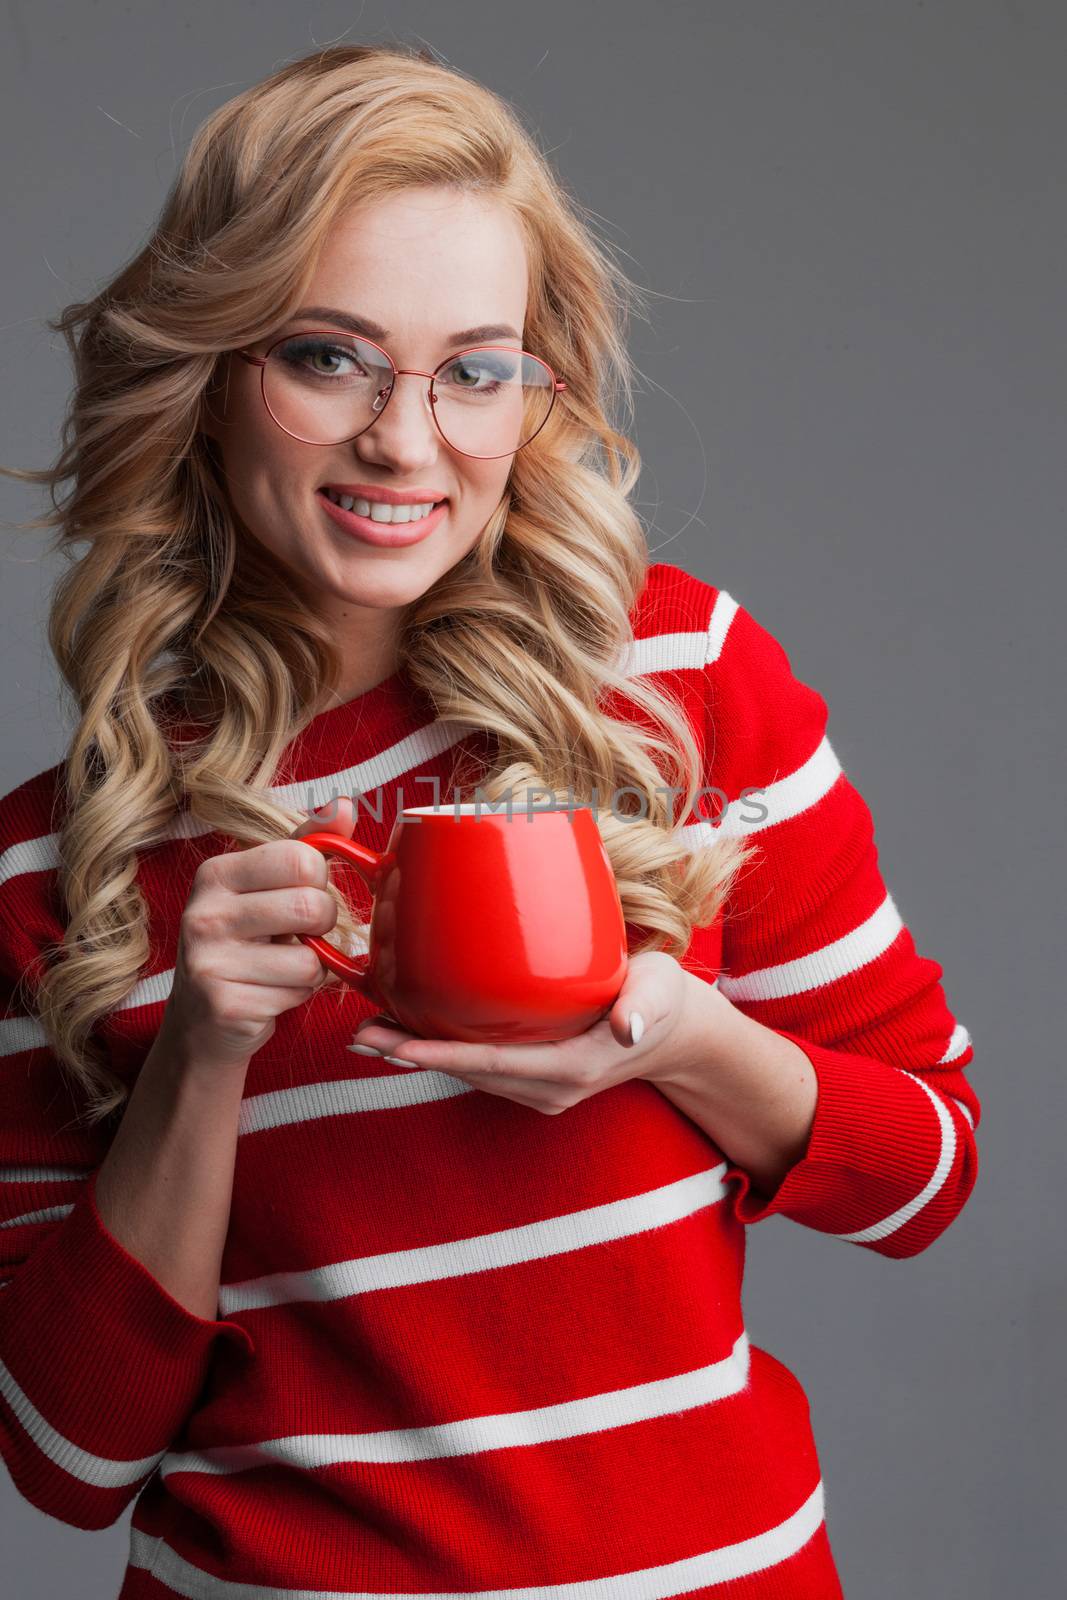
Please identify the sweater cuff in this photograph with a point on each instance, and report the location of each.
(101, 1365)
(874, 1141)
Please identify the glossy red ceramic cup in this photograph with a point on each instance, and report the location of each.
(486, 925)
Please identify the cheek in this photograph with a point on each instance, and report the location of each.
(486, 484)
(271, 494)
(277, 482)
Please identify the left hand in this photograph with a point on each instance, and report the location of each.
(553, 1077)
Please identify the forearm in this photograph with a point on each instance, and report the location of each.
(751, 1090)
(164, 1188)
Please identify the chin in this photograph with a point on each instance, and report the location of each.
(385, 588)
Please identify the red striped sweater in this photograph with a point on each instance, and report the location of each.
(461, 1345)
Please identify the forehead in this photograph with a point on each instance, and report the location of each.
(425, 260)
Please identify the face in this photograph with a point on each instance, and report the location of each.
(423, 264)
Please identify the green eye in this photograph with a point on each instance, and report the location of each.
(298, 352)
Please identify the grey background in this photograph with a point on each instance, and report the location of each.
(851, 418)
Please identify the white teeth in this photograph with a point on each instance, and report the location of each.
(377, 510)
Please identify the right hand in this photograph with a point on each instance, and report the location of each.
(240, 963)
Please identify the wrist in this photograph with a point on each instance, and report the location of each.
(178, 1057)
(709, 1032)
(752, 1090)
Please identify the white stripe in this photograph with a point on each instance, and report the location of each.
(98, 1471)
(41, 1174)
(345, 1097)
(21, 1033)
(722, 1565)
(504, 1430)
(825, 965)
(964, 1110)
(30, 855)
(532, 1241)
(662, 652)
(407, 754)
(890, 1224)
(723, 613)
(787, 797)
(46, 1214)
(959, 1042)
(27, 1033)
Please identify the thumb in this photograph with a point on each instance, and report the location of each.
(632, 1031)
(646, 997)
(629, 1017)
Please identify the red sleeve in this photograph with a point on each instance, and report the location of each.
(815, 947)
(99, 1364)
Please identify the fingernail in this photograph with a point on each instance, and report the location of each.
(363, 1049)
(637, 1027)
(398, 1062)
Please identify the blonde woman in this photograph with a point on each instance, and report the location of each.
(338, 1309)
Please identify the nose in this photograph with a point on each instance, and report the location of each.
(404, 435)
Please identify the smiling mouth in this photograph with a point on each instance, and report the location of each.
(378, 531)
(360, 506)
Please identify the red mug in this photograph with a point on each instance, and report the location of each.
(491, 926)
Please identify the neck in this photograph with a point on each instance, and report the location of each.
(363, 672)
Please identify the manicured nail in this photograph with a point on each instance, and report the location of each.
(637, 1027)
(397, 1062)
(363, 1049)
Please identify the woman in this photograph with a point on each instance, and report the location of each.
(350, 1326)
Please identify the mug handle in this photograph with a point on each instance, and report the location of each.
(368, 863)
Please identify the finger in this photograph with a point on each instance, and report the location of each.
(278, 864)
(273, 964)
(337, 815)
(636, 1010)
(326, 975)
(490, 1062)
(385, 1038)
(259, 913)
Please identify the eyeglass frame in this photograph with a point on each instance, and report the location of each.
(558, 385)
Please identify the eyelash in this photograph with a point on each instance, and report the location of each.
(297, 349)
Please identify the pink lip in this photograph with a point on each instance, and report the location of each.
(389, 497)
(382, 533)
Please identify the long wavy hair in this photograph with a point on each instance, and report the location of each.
(167, 607)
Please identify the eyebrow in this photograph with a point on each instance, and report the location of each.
(373, 330)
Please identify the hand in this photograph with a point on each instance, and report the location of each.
(240, 963)
(336, 816)
(553, 1077)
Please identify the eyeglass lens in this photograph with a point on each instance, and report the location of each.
(326, 388)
